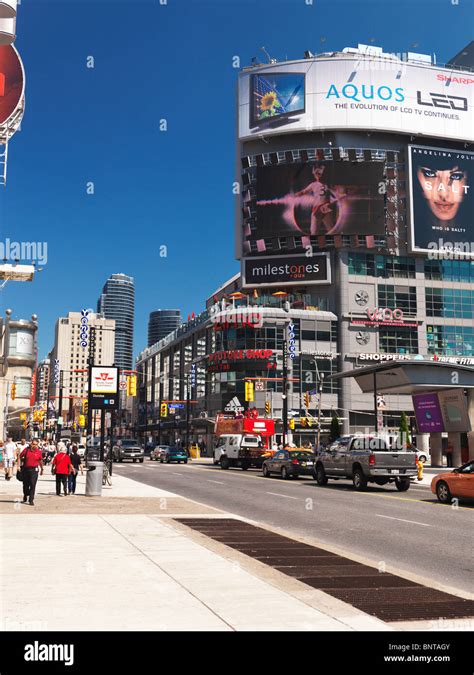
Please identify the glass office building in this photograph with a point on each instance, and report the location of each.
(117, 302)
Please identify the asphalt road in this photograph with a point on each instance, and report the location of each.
(410, 530)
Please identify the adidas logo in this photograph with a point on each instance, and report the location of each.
(234, 406)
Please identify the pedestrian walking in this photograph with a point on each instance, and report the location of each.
(2, 453)
(9, 458)
(76, 462)
(31, 464)
(61, 466)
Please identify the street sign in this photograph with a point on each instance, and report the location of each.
(259, 386)
(104, 389)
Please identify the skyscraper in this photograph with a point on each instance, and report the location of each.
(162, 322)
(117, 302)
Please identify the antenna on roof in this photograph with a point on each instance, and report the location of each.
(270, 60)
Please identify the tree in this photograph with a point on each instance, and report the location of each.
(335, 430)
(404, 429)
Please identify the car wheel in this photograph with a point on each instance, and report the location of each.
(168, 461)
(134, 461)
(245, 465)
(224, 463)
(141, 461)
(284, 473)
(185, 461)
(359, 480)
(265, 471)
(320, 475)
(443, 492)
(402, 484)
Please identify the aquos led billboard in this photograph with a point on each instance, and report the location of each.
(441, 188)
(344, 92)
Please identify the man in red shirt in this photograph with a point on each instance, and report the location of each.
(63, 466)
(31, 461)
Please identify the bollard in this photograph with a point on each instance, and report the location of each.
(95, 472)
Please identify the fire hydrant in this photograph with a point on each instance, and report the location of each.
(419, 466)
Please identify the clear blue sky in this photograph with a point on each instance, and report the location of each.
(153, 188)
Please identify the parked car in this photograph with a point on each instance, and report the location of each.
(289, 463)
(366, 458)
(421, 455)
(458, 483)
(155, 453)
(173, 454)
(244, 450)
(128, 448)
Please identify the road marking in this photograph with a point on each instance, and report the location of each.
(176, 474)
(277, 494)
(219, 482)
(414, 522)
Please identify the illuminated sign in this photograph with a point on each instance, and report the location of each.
(384, 316)
(291, 341)
(104, 387)
(84, 329)
(290, 270)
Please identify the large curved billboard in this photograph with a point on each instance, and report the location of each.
(343, 92)
(12, 83)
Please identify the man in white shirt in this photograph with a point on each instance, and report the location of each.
(9, 457)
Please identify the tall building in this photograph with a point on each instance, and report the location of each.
(117, 302)
(161, 323)
(70, 354)
(42, 381)
(354, 232)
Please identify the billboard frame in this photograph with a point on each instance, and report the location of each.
(284, 258)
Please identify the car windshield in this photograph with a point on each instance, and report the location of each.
(130, 443)
(177, 451)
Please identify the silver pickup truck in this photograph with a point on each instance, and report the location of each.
(366, 459)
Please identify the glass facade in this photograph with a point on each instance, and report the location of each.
(450, 270)
(450, 303)
(161, 323)
(401, 297)
(450, 340)
(398, 340)
(387, 267)
(118, 302)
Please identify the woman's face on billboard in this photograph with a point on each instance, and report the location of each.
(444, 190)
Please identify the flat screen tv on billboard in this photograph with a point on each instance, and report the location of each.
(320, 198)
(441, 199)
(275, 96)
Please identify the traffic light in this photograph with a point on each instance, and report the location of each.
(13, 392)
(307, 400)
(82, 421)
(309, 422)
(291, 424)
(249, 395)
(268, 408)
(132, 385)
(164, 410)
(85, 407)
(303, 421)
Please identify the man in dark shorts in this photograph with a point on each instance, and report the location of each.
(77, 464)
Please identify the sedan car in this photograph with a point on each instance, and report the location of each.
(155, 453)
(289, 463)
(455, 484)
(174, 454)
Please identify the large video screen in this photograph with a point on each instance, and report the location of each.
(320, 198)
(441, 199)
(276, 95)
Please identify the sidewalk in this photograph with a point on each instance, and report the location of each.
(98, 563)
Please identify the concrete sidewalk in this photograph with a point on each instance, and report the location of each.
(99, 564)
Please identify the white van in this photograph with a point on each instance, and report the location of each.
(242, 450)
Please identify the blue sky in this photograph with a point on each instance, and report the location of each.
(154, 188)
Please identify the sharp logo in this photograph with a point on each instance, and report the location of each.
(442, 101)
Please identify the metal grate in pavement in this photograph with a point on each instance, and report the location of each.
(385, 596)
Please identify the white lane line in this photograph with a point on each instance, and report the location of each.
(219, 482)
(277, 494)
(414, 522)
(176, 474)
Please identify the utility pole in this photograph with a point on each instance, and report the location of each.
(187, 412)
(90, 363)
(5, 413)
(285, 387)
(59, 425)
(320, 388)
